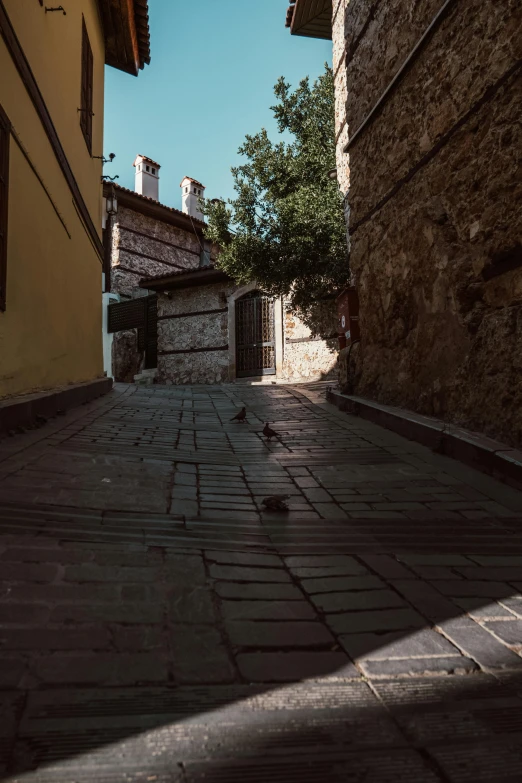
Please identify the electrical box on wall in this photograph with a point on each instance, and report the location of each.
(348, 312)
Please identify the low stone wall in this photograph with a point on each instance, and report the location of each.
(195, 368)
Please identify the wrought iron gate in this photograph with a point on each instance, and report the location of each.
(140, 314)
(255, 335)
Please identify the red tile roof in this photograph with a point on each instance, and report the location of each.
(149, 160)
(195, 181)
(152, 201)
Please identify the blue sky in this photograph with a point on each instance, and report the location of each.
(210, 81)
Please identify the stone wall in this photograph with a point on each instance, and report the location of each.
(186, 328)
(435, 217)
(306, 357)
(145, 247)
(127, 359)
(341, 95)
(193, 340)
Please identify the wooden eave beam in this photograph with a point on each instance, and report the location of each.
(313, 19)
(125, 34)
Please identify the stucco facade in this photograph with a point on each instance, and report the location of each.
(429, 143)
(50, 329)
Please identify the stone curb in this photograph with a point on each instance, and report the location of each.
(480, 452)
(23, 410)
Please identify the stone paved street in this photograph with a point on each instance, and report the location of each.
(156, 624)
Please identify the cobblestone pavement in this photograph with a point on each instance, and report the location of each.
(157, 625)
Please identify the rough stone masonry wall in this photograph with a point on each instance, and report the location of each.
(305, 357)
(146, 247)
(435, 209)
(193, 339)
(341, 94)
(179, 332)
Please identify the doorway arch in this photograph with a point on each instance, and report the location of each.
(255, 335)
(233, 298)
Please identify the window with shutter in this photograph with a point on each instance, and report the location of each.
(87, 89)
(5, 135)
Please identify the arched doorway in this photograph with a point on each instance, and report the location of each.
(255, 335)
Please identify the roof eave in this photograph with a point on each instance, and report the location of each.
(189, 280)
(312, 19)
(154, 209)
(126, 31)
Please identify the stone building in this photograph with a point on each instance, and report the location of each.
(429, 100)
(209, 330)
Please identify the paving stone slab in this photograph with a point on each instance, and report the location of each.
(434, 559)
(12, 669)
(28, 572)
(509, 631)
(95, 573)
(351, 566)
(408, 644)
(375, 620)
(376, 767)
(342, 583)
(421, 667)
(294, 666)
(259, 591)
(274, 634)
(240, 574)
(467, 588)
(64, 638)
(387, 567)
(264, 610)
(357, 601)
(326, 571)
(492, 561)
(244, 558)
(134, 614)
(427, 599)
(499, 574)
(101, 669)
(476, 642)
(191, 605)
(513, 603)
(480, 609)
(199, 655)
(481, 762)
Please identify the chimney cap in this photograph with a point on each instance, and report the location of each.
(139, 158)
(191, 179)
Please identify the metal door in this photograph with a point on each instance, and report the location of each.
(255, 335)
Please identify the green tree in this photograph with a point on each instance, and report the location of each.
(286, 228)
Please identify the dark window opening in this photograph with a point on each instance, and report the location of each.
(153, 171)
(87, 89)
(148, 168)
(5, 134)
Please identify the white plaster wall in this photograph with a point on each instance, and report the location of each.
(107, 337)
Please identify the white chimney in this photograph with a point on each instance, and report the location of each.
(147, 177)
(192, 192)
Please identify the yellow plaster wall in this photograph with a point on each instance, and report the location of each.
(50, 333)
(52, 44)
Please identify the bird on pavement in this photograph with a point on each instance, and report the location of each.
(275, 503)
(269, 433)
(241, 416)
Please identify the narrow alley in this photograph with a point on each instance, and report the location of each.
(158, 624)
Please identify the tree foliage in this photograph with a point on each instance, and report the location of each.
(285, 228)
